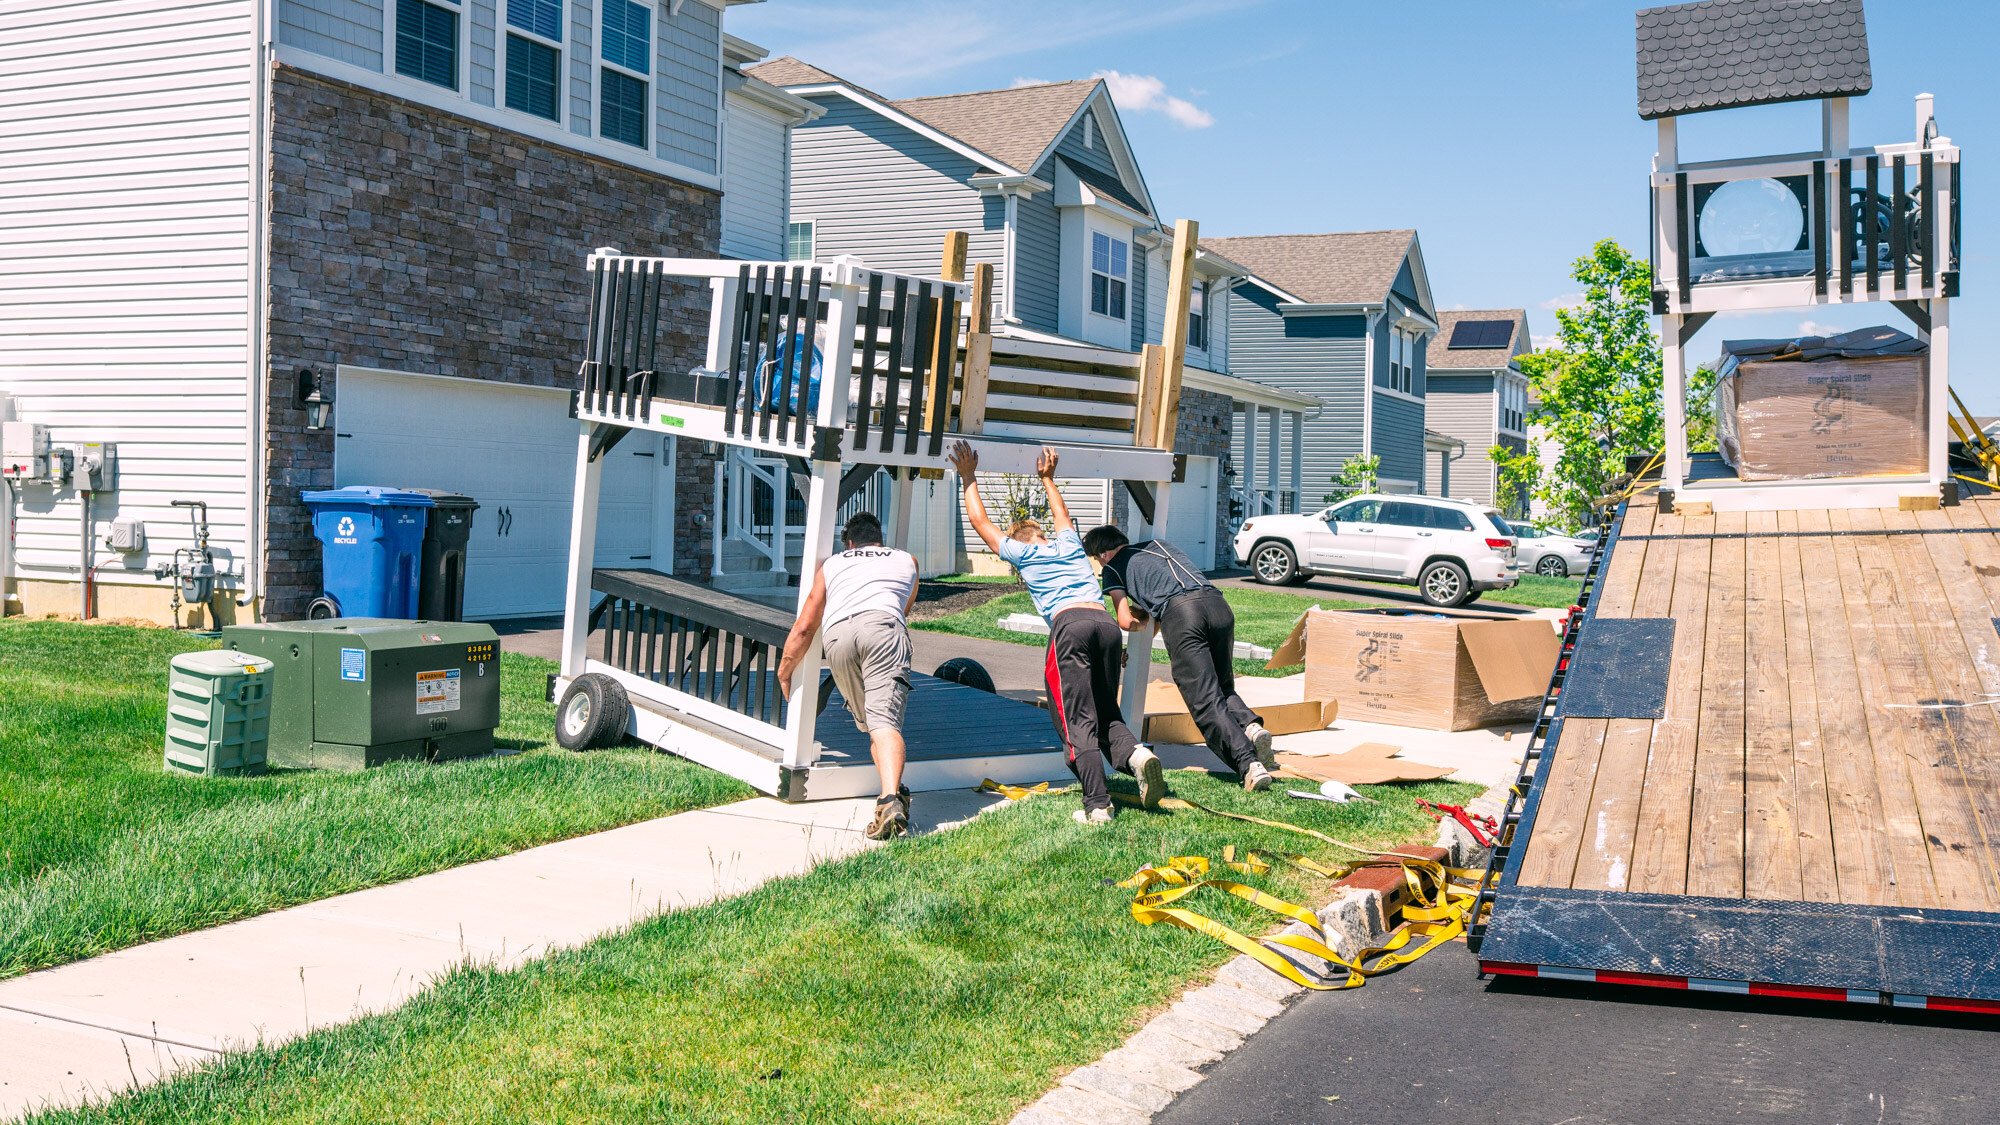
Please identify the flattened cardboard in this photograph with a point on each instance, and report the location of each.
(1444, 670)
(1371, 763)
(1168, 721)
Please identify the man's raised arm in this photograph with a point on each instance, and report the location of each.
(1045, 468)
(965, 459)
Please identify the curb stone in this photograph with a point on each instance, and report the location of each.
(1162, 1060)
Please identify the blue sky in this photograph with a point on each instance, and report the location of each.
(1504, 131)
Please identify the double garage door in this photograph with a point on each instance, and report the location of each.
(513, 449)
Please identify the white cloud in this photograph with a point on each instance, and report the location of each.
(1817, 328)
(1564, 301)
(1544, 343)
(1143, 93)
(1020, 82)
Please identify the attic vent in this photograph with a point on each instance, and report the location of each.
(1482, 334)
(1089, 131)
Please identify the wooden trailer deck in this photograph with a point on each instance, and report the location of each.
(1817, 800)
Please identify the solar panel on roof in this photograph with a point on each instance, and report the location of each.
(1481, 334)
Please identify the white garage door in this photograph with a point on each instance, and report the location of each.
(1191, 512)
(513, 449)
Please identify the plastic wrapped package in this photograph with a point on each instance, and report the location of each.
(1850, 405)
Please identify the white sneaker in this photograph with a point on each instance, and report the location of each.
(1261, 739)
(1094, 817)
(1152, 777)
(1256, 779)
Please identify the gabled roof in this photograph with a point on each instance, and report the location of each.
(1441, 356)
(1104, 184)
(1722, 54)
(1015, 126)
(788, 71)
(1350, 268)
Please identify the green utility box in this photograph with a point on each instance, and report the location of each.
(218, 713)
(354, 692)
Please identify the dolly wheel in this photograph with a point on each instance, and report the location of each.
(322, 608)
(592, 713)
(966, 672)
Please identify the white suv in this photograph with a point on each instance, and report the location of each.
(1450, 550)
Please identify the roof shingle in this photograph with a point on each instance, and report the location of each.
(1349, 268)
(1722, 54)
(1441, 356)
(788, 71)
(1013, 126)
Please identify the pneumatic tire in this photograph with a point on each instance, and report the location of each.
(966, 672)
(592, 713)
(1444, 584)
(1273, 563)
(1552, 566)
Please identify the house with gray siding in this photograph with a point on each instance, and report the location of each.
(1478, 396)
(1045, 183)
(234, 207)
(1346, 318)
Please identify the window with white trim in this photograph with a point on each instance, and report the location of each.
(534, 57)
(1513, 406)
(427, 41)
(799, 241)
(1110, 271)
(1198, 316)
(623, 86)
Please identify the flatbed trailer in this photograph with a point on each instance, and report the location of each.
(1769, 763)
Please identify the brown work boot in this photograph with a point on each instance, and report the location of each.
(892, 816)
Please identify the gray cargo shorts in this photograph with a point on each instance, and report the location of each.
(869, 654)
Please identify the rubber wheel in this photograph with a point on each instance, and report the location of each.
(1472, 597)
(1274, 564)
(966, 672)
(1552, 566)
(592, 713)
(1444, 584)
(322, 608)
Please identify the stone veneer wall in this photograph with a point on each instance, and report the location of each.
(408, 239)
(1204, 431)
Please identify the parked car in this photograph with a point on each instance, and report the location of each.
(1450, 550)
(1552, 553)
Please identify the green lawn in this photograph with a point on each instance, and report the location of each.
(100, 849)
(946, 978)
(1263, 617)
(1534, 591)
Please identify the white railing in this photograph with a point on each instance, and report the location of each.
(738, 479)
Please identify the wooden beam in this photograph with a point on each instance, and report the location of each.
(978, 353)
(944, 348)
(1152, 377)
(1173, 341)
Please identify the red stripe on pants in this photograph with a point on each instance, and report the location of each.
(1053, 679)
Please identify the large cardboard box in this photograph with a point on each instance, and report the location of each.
(1839, 406)
(1445, 670)
(1168, 720)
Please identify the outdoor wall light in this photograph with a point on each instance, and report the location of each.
(1228, 467)
(315, 397)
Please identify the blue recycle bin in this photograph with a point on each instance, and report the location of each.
(371, 549)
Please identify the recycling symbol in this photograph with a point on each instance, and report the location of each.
(346, 525)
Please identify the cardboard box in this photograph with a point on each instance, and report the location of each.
(1821, 408)
(1168, 720)
(1444, 670)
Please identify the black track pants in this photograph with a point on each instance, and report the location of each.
(1200, 631)
(1083, 669)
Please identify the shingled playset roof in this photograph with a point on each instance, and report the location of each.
(1724, 54)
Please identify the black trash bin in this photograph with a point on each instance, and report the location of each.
(441, 574)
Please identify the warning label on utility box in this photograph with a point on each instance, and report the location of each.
(437, 691)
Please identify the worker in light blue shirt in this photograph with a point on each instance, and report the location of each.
(1086, 648)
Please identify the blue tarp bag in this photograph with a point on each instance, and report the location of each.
(773, 378)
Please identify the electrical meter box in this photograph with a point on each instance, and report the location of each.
(24, 451)
(356, 692)
(218, 711)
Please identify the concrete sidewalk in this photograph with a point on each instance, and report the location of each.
(139, 1015)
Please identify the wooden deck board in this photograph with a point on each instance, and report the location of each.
(1812, 817)
(1604, 859)
(1772, 862)
(1660, 842)
(1552, 848)
(1882, 657)
(1716, 832)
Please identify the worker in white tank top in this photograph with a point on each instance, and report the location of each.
(862, 597)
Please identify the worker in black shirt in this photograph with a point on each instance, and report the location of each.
(1154, 579)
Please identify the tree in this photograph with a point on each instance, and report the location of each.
(1356, 476)
(1597, 392)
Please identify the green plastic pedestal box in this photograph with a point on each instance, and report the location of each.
(218, 713)
(355, 692)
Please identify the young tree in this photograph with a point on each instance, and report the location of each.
(1597, 391)
(1357, 475)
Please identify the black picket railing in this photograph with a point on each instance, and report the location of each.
(908, 348)
(696, 640)
(619, 377)
(1871, 226)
